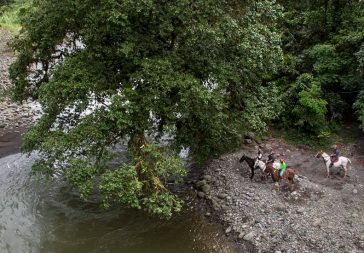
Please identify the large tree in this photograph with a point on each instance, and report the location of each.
(124, 70)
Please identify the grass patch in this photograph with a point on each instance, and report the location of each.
(313, 143)
(346, 134)
(350, 133)
(9, 14)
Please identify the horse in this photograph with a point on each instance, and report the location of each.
(342, 162)
(274, 172)
(251, 163)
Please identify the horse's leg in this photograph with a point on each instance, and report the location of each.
(252, 174)
(291, 183)
(345, 171)
(277, 185)
(327, 171)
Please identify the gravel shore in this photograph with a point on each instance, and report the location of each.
(319, 215)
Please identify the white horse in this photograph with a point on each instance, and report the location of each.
(342, 162)
(262, 165)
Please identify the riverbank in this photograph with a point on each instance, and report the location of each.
(14, 118)
(320, 214)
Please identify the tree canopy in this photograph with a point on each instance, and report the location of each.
(322, 40)
(122, 70)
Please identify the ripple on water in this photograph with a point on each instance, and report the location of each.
(39, 217)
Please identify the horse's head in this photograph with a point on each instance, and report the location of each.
(242, 159)
(319, 154)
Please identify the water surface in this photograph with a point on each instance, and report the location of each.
(49, 217)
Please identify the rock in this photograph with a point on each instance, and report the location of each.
(244, 226)
(300, 210)
(355, 191)
(248, 141)
(361, 237)
(250, 135)
(206, 188)
(241, 235)
(200, 183)
(201, 194)
(228, 230)
(207, 178)
(316, 223)
(281, 208)
(208, 214)
(249, 236)
(222, 196)
(268, 146)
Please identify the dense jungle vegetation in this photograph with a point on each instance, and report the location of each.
(202, 73)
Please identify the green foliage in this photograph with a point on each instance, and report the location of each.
(262, 107)
(9, 13)
(310, 109)
(359, 107)
(81, 174)
(323, 39)
(163, 204)
(136, 70)
(121, 186)
(326, 64)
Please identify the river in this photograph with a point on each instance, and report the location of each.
(47, 216)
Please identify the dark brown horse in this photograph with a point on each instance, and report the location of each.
(250, 162)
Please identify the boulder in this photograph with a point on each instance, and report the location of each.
(201, 194)
(207, 178)
(200, 184)
(248, 236)
(228, 230)
(248, 141)
(250, 135)
(222, 196)
(206, 188)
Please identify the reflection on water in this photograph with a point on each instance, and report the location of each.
(50, 218)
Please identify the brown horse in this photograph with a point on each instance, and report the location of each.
(288, 175)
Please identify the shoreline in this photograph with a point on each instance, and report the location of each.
(15, 118)
(10, 141)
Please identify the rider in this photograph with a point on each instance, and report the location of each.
(271, 157)
(335, 155)
(258, 157)
(260, 154)
(282, 168)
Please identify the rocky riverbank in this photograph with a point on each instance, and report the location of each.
(14, 118)
(319, 215)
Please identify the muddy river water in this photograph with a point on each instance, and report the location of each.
(46, 216)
